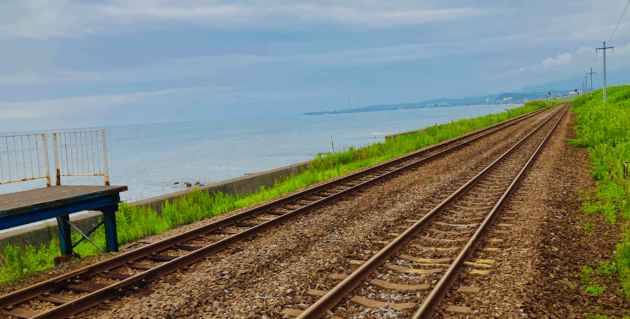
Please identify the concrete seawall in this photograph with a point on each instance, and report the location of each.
(41, 234)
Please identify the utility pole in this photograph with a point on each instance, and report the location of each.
(604, 49)
(585, 84)
(591, 73)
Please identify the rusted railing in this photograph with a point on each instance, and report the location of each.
(24, 157)
(80, 153)
(625, 170)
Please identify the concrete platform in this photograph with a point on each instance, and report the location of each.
(34, 199)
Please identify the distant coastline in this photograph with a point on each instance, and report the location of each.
(380, 108)
(505, 98)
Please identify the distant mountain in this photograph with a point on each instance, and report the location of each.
(613, 77)
(529, 96)
(416, 105)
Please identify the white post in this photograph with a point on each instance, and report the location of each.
(56, 155)
(105, 168)
(45, 146)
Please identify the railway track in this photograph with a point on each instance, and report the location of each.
(411, 273)
(95, 285)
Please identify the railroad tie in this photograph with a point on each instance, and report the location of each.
(465, 289)
(451, 232)
(369, 303)
(337, 276)
(458, 310)
(399, 287)
(21, 313)
(414, 270)
(427, 260)
(435, 248)
(445, 240)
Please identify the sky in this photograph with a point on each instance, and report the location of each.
(71, 64)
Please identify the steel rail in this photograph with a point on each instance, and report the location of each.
(335, 295)
(111, 291)
(94, 298)
(438, 292)
(54, 283)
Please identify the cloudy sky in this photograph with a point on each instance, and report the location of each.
(92, 63)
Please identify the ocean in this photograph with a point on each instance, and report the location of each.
(151, 158)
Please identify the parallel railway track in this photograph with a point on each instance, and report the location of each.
(96, 284)
(427, 257)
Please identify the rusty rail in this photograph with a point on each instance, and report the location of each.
(438, 292)
(74, 153)
(625, 170)
(335, 295)
(382, 170)
(26, 166)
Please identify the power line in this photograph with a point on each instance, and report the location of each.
(624, 12)
(594, 61)
(610, 59)
(611, 55)
(624, 45)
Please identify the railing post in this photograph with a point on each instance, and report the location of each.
(105, 168)
(56, 155)
(46, 161)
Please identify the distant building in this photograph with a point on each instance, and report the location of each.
(507, 99)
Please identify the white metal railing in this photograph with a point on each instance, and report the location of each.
(80, 153)
(24, 157)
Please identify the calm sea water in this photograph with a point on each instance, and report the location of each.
(150, 158)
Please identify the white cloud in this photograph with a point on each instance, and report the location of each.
(37, 19)
(29, 77)
(96, 104)
(143, 10)
(11, 110)
(559, 60)
(68, 18)
(585, 50)
(56, 76)
(509, 72)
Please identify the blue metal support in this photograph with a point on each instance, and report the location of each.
(59, 202)
(94, 203)
(88, 234)
(109, 220)
(65, 239)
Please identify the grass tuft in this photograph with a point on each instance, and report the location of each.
(595, 289)
(605, 131)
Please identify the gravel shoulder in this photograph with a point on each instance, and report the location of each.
(538, 272)
(256, 279)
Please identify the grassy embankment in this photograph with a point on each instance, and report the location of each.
(605, 132)
(136, 222)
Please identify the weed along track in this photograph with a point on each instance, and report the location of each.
(407, 276)
(129, 273)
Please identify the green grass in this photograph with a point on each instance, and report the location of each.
(586, 273)
(134, 223)
(589, 225)
(595, 289)
(608, 269)
(605, 132)
(562, 100)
